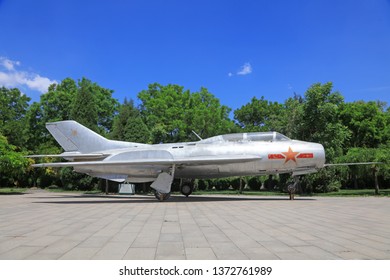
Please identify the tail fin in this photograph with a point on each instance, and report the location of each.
(74, 137)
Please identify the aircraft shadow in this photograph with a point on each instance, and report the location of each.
(87, 199)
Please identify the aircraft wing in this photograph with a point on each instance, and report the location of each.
(156, 161)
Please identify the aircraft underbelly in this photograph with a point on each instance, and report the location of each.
(217, 171)
(133, 171)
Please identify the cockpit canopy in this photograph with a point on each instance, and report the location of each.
(248, 137)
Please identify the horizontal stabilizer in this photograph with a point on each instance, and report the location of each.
(71, 155)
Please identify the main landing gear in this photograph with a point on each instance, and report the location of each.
(186, 189)
(162, 196)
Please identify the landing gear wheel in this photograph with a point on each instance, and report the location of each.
(162, 196)
(186, 190)
(291, 191)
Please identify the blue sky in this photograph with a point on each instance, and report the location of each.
(236, 49)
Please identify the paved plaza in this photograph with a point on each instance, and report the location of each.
(45, 225)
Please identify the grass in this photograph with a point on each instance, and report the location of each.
(59, 190)
(10, 191)
(363, 192)
(343, 192)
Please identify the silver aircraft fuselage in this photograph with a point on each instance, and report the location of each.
(239, 154)
(289, 156)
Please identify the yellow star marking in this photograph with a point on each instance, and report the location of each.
(290, 155)
(74, 132)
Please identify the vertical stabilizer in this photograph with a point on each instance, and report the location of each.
(74, 137)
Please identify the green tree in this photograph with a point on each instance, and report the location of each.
(366, 176)
(13, 108)
(12, 163)
(206, 116)
(366, 121)
(85, 102)
(128, 124)
(260, 115)
(55, 105)
(84, 107)
(172, 113)
(320, 121)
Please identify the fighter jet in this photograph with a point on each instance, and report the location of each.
(239, 154)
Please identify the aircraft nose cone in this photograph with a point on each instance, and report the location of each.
(320, 151)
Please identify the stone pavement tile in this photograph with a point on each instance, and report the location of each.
(42, 256)
(60, 246)
(214, 234)
(170, 251)
(44, 241)
(170, 237)
(195, 240)
(19, 253)
(316, 253)
(200, 254)
(327, 245)
(112, 251)
(292, 241)
(171, 228)
(80, 253)
(140, 254)
(145, 241)
(375, 244)
(94, 241)
(292, 256)
(12, 242)
(121, 236)
(369, 251)
(349, 255)
(377, 237)
(260, 253)
(227, 251)
(277, 246)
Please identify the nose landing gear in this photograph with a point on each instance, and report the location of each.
(293, 187)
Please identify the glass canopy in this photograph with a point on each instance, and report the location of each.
(248, 137)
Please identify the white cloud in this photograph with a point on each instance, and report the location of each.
(245, 69)
(12, 77)
(8, 64)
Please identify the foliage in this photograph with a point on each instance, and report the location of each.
(362, 175)
(71, 180)
(320, 119)
(12, 163)
(84, 108)
(13, 108)
(172, 113)
(129, 126)
(260, 115)
(366, 121)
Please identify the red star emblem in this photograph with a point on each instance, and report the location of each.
(290, 155)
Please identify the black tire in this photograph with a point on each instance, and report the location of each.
(186, 189)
